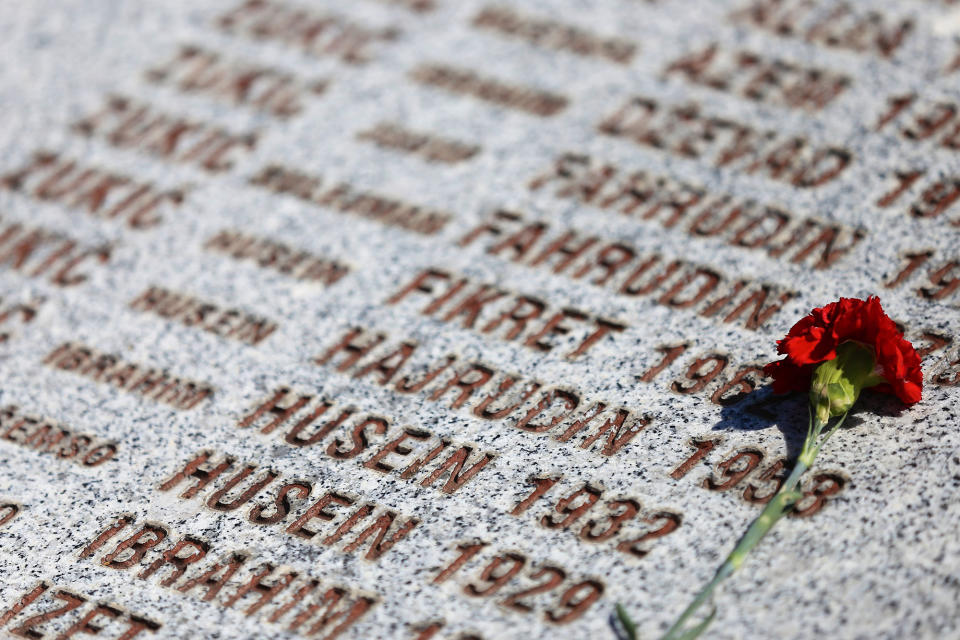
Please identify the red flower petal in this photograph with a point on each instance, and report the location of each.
(815, 338)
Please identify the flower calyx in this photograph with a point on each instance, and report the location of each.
(837, 383)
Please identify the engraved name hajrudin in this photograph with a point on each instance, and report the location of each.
(487, 393)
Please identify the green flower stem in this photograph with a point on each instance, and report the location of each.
(776, 508)
(834, 388)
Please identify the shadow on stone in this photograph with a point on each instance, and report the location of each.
(763, 409)
(617, 628)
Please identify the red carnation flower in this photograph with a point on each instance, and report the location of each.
(833, 354)
(815, 338)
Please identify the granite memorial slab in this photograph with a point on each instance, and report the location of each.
(446, 319)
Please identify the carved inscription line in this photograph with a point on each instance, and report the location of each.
(686, 131)
(315, 33)
(760, 78)
(930, 122)
(37, 252)
(270, 254)
(551, 34)
(676, 284)
(353, 434)
(463, 81)
(465, 302)
(100, 193)
(44, 435)
(189, 566)
(843, 25)
(922, 121)
(944, 275)
(937, 196)
(107, 368)
(127, 124)
(346, 198)
(690, 209)
(511, 399)
(430, 147)
(96, 618)
(611, 516)
(275, 92)
(190, 311)
(743, 467)
(717, 377)
(386, 529)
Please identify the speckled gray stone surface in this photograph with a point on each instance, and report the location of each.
(881, 560)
